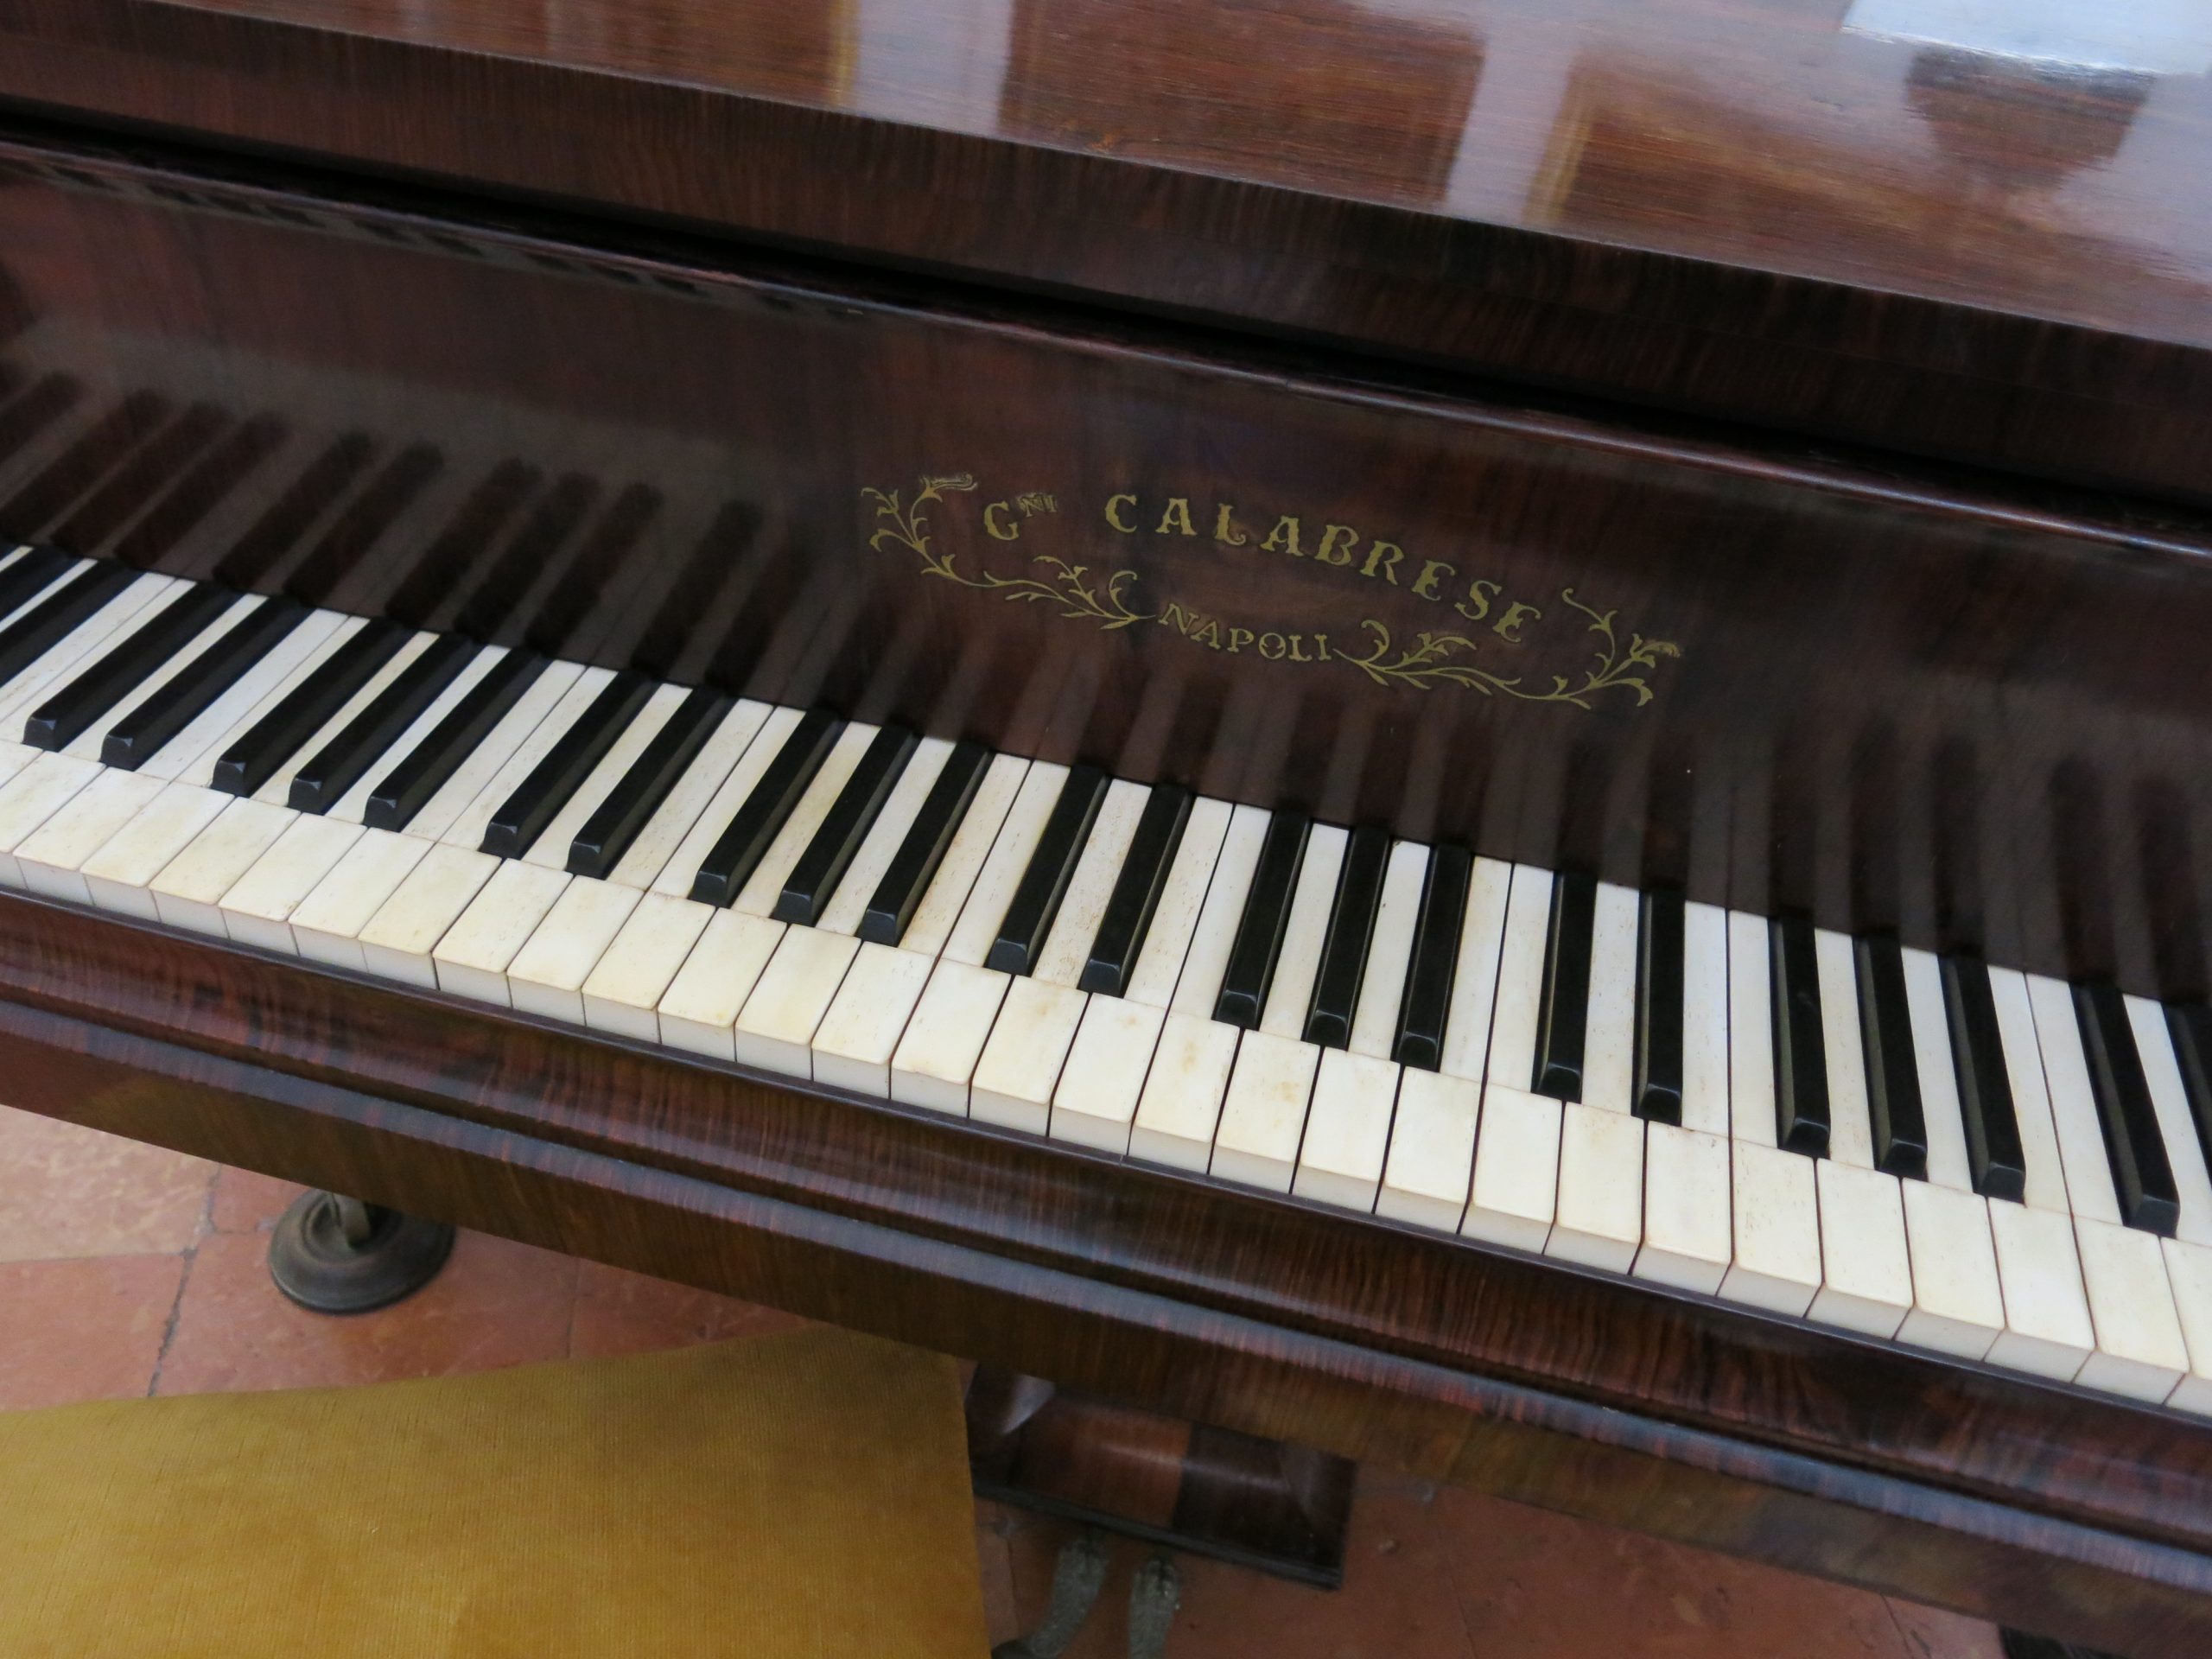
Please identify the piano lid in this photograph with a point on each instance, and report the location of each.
(1850, 217)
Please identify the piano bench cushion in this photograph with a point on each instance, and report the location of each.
(788, 1497)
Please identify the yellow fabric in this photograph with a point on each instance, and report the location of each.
(782, 1498)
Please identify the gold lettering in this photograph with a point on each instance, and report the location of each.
(1006, 532)
(1284, 536)
(1177, 518)
(1280, 644)
(1113, 515)
(1481, 599)
(1431, 572)
(1238, 638)
(1298, 655)
(1336, 544)
(1388, 553)
(1506, 626)
(1224, 527)
(1185, 623)
(1321, 644)
(1209, 636)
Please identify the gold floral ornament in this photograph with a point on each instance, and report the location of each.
(1434, 657)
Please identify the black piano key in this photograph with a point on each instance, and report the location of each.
(1800, 1061)
(1426, 1004)
(1563, 1018)
(401, 793)
(724, 872)
(1893, 1104)
(1252, 958)
(1343, 947)
(38, 567)
(2190, 1024)
(145, 650)
(138, 736)
(1037, 898)
(913, 867)
(1128, 919)
(606, 837)
(821, 866)
(537, 800)
(326, 776)
(255, 757)
(1660, 943)
(2140, 1172)
(1993, 1127)
(31, 635)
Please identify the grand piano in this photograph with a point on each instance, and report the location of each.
(1474, 734)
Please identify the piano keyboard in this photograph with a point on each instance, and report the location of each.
(1930, 1151)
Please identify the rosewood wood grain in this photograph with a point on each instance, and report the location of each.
(1944, 1483)
(1744, 209)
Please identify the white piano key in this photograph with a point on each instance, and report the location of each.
(1474, 982)
(14, 757)
(995, 883)
(1171, 938)
(1776, 1214)
(396, 942)
(548, 974)
(439, 817)
(327, 926)
(471, 959)
(277, 788)
(190, 756)
(1938, 1073)
(943, 903)
(2139, 1352)
(1067, 943)
(1704, 1020)
(53, 856)
(1180, 1107)
(1686, 1221)
(626, 985)
(118, 875)
(55, 666)
(776, 1026)
(1020, 1063)
(1390, 952)
(353, 805)
(2154, 1044)
(684, 808)
(87, 744)
(2089, 1192)
(1958, 1306)
(2189, 1271)
(1851, 1132)
(853, 1045)
(2045, 1186)
(1198, 987)
(2047, 1330)
(1865, 1265)
(1348, 1128)
(885, 836)
(936, 1054)
(467, 826)
(1095, 1100)
(1516, 1187)
(765, 885)
(1598, 1218)
(699, 1010)
(551, 849)
(1291, 993)
(189, 890)
(32, 795)
(681, 868)
(1520, 982)
(1432, 1157)
(1263, 1114)
(1609, 1041)
(258, 908)
(1750, 1051)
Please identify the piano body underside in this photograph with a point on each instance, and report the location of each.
(1886, 698)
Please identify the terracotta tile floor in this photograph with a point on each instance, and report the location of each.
(125, 1270)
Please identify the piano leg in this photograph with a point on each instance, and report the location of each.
(337, 1254)
(1266, 1505)
(2018, 1645)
